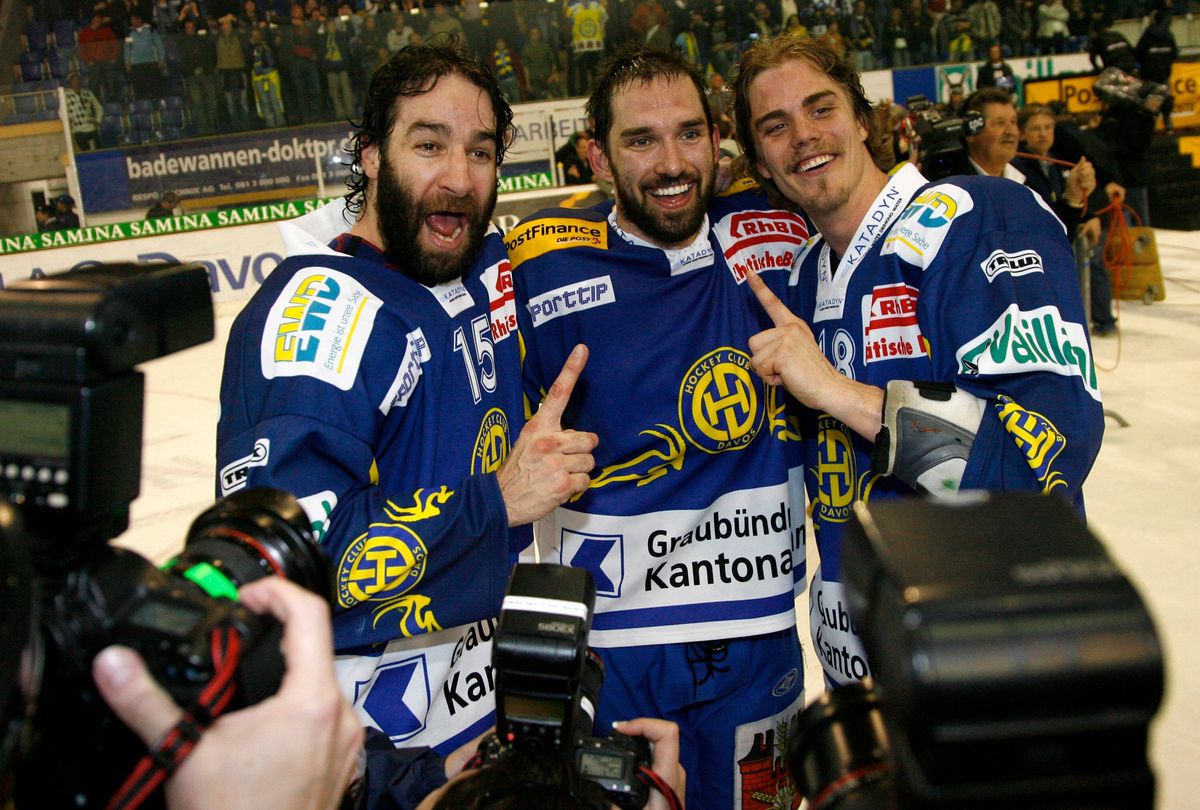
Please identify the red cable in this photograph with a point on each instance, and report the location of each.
(661, 786)
(839, 784)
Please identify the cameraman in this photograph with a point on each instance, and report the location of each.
(305, 742)
(294, 751)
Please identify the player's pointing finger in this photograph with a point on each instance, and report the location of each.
(776, 309)
(560, 392)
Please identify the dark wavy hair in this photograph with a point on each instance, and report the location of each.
(983, 97)
(637, 64)
(773, 52)
(412, 71)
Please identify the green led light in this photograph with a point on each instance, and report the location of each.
(212, 581)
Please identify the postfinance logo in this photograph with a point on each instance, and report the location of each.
(544, 235)
(383, 563)
(491, 445)
(1037, 438)
(720, 406)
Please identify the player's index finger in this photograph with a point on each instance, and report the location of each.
(560, 392)
(776, 309)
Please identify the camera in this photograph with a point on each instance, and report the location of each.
(71, 407)
(939, 137)
(1014, 666)
(548, 683)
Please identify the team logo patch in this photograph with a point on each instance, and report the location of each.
(592, 292)
(1020, 341)
(839, 483)
(544, 235)
(922, 226)
(416, 353)
(235, 473)
(319, 327)
(761, 776)
(786, 683)
(318, 508)
(720, 404)
(396, 697)
(1020, 263)
(491, 445)
(386, 562)
(602, 554)
(755, 241)
(890, 327)
(1038, 439)
(502, 303)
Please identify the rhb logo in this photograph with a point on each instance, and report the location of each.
(502, 306)
(890, 326)
(754, 241)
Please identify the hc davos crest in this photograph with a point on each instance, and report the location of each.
(491, 445)
(602, 554)
(387, 562)
(396, 697)
(719, 401)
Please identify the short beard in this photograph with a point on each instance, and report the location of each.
(664, 230)
(400, 218)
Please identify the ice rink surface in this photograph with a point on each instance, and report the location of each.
(1143, 496)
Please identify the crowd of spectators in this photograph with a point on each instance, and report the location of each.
(171, 68)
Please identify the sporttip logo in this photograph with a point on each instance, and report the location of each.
(1020, 263)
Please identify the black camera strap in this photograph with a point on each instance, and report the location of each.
(165, 757)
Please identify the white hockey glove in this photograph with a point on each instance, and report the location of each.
(928, 429)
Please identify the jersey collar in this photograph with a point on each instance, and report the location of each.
(692, 257)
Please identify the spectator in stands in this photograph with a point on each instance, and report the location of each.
(1156, 52)
(588, 19)
(65, 217)
(506, 66)
(400, 34)
(337, 55)
(1079, 25)
(648, 16)
(198, 61)
(99, 50)
(145, 58)
(688, 44)
(474, 24)
(298, 48)
(860, 36)
(44, 215)
(1052, 27)
(444, 27)
(541, 67)
(572, 157)
(1110, 48)
(366, 44)
(231, 71)
(955, 38)
(190, 10)
(1016, 30)
(725, 37)
(83, 113)
(251, 16)
(986, 22)
(833, 39)
(268, 95)
(894, 40)
(919, 32)
(165, 207)
(762, 21)
(163, 16)
(995, 72)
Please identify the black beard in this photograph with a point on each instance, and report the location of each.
(400, 218)
(660, 229)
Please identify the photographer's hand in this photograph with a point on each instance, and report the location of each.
(294, 750)
(665, 736)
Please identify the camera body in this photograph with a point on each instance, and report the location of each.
(548, 682)
(939, 137)
(71, 408)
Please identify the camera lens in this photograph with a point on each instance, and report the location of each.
(250, 535)
(839, 751)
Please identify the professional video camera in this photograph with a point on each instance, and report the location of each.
(1115, 86)
(938, 138)
(548, 683)
(70, 465)
(1016, 666)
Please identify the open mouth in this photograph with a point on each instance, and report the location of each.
(809, 164)
(671, 193)
(446, 227)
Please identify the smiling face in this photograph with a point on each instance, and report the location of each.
(660, 155)
(996, 143)
(809, 141)
(1039, 133)
(434, 186)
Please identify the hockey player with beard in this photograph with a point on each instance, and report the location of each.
(693, 524)
(939, 325)
(376, 378)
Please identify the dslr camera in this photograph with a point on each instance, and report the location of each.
(548, 683)
(939, 137)
(1015, 666)
(71, 407)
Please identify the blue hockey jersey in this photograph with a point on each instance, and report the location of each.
(969, 281)
(693, 523)
(386, 407)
